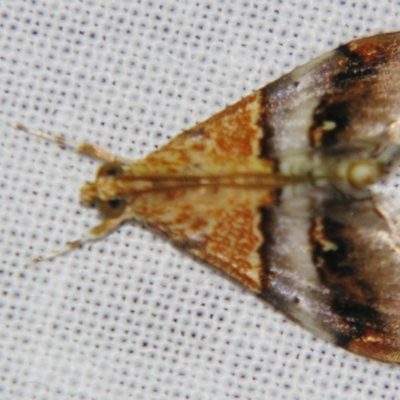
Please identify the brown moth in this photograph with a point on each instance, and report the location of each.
(281, 192)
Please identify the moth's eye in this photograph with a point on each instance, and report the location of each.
(111, 208)
(110, 169)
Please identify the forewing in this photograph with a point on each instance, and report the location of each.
(219, 225)
(229, 142)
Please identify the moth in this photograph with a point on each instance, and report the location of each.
(281, 191)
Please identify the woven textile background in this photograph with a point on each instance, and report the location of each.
(131, 317)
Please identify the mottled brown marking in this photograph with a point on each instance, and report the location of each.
(357, 69)
(239, 120)
(352, 299)
(328, 111)
(266, 142)
(355, 66)
(267, 228)
(234, 237)
(374, 345)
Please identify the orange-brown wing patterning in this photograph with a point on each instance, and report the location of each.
(281, 192)
(229, 142)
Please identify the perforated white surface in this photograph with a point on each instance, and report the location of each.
(131, 317)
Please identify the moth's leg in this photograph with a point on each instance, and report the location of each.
(388, 211)
(86, 149)
(98, 232)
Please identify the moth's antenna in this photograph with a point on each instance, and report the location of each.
(86, 149)
(43, 135)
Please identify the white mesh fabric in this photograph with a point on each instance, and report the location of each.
(131, 317)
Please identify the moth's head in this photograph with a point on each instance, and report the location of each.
(102, 193)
